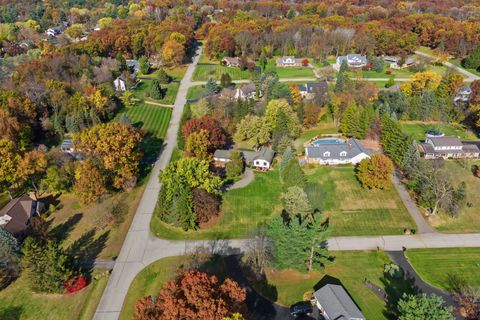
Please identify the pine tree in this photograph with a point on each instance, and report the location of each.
(163, 77)
(144, 65)
(225, 80)
(293, 175)
(349, 124)
(156, 91)
(211, 87)
(287, 156)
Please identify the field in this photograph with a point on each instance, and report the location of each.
(351, 209)
(143, 88)
(436, 265)
(458, 63)
(176, 73)
(396, 73)
(155, 120)
(195, 92)
(291, 72)
(203, 71)
(469, 217)
(350, 268)
(418, 129)
(18, 302)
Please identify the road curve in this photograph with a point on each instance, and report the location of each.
(470, 76)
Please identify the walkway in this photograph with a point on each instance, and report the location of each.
(470, 76)
(247, 178)
(422, 225)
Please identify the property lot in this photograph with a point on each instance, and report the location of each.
(418, 129)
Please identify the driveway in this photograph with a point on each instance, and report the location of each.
(470, 76)
(247, 178)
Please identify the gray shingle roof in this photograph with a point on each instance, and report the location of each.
(352, 148)
(337, 303)
(446, 141)
(314, 87)
(249, 156)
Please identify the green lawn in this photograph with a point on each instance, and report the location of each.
(436, 265)
(418, 129)
(351, 268)
(4, 199)
(142, 91)
(176, 73)
(325, 127)
(351, 209)
(396, 73)
(17, 302)
(195, 92)
(155, 120)
(458, 63)
(203, 71)
(290, 72)
(469, 218)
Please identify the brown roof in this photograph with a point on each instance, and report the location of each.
(20, 210)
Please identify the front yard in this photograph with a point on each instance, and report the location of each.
(418, 129)
(214, 70)
(141, 92)
(289, 72)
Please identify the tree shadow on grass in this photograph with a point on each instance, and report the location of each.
(11, 313)
(395, 288)
(63, 230)
(85, 250)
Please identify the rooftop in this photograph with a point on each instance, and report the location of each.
(337, 303)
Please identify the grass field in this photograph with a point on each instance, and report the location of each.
(176, 73)
(203, 71)
(4, 199)
(469, 218)
(396, 73)
(351, 209)
(155, 120)
(290, 72)
(458, 63)
(18, 302)
(195, 92)
(351, 268)
(418, 129)
(143, 89)
(436, 265)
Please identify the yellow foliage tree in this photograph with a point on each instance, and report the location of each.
(421, 81)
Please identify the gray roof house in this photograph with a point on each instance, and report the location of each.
(335, 304)
(448, 147)
(335, 151)
(261, 159)
(289, 61)
(353, 61)
(310, 89)
(463, 94)
(15, 216)
(231, 61)
(67, 146)
(133, 65)
(246, 91)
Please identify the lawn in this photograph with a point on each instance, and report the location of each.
(350, 268)
(4, 199)
(436, 265)
(469, 218)
(204, 71)
(418, 129)
(176, 73)
(458, 63)
(396, 73)
(196, 92)
(155, 120)
(324, 127)
(142, 91)
(290, 72)
(17, 302)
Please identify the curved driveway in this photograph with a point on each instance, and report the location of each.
(141, 248)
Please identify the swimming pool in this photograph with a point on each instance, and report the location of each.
(327, 141)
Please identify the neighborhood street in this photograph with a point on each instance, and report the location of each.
(470, 76)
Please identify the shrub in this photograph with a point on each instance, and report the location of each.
(388, 72)
(144, 65)
(156, 91)
(163, 77)
(75, 283)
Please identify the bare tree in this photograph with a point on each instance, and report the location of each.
(258, 254)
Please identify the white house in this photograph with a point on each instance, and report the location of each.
(245, 92)
(52, 32)
(352, 60)
(289, 61)
(393, 61)
(334, 303)
(67, 146)
(120, 84)
(463, 94)
(332, 151)
(448, 147)
(261, 159)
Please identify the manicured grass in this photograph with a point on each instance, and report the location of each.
(436, 265)
(176, 73)
(353, 210)
(149, 282)
(18, 302)
(327, 127)
(418, 129)
(458, 63)
(468, 219)
(289, 72)
(351, 268)
(155, 120)
(143, 88)
(4, 199)
(195, 92)
(203, 71)
(400, 73)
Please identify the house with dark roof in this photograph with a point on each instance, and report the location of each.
(394, 62)
(233, 62)
(448, 147)
(261, 159)
(335, 304)
(289, 61)
(335, 151)
(67, 146)
(133, 65)
(246, 91)
(311, 89)
(15, 216)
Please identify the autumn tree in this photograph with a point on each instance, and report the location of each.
(32, 167)
(375, 172)
(127, 99)
(279, 115)
(420, 82)
(234, 167)
(173, 53)
(205, 205)
(253, 129)
(194, 295)
(89, 182)
(216, 135)
(198, 145)
(9, 175)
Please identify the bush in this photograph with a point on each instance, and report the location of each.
(390, 83)
(144, 65)
(388, 72)
(156, 91)
(393, 270)
(75, 283)
(163, 77)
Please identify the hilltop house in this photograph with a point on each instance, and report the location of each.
(335, 151)
(352, 60)
(261, 159)
(245, 92)
(334, 303)
(53, 32)
(311, 89)
(231, 61)
(289, 61)
(15, 216)
(448, 147)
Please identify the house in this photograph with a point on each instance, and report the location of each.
(393, 61)
(67, 146)
(352, 60)
(334, 303)
(448, 147)
(311, 89)
(245, 92)
(335, 151)
(120, 83)
(133, 65)
(15, 216)
(52, 32)
(231, 61)
(261, 159)
(289, 61)
(463, 94)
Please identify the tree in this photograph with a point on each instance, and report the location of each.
(46, 266)
(420, 82)
(279, 115)
(173, 53)
(375, 172)
(55, 180)
(293, 175)
(186, 115)
(144, 65)
(198, 145)
(9, 175)
(349, 123)
(225, 80)
(163, 77)
(253, 129)
(423, 307)
(291, 13)
(75, 30)
(205, 206)
(193, 295)
(156, 91)
(211, 87)
(394, 142)
(259, 251)
(295, 95)
(127, 99)
(299, 245)
(286, 157)
(216, 135)
(234, 167)
(89, 183)
(473, 59)
(9, 258)
(296, 204)
(32, 167)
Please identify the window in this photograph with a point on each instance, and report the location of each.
(326, 154)
(343, 154)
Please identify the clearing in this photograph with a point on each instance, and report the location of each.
(418, 129)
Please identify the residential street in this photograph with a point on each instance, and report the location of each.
(470, 76)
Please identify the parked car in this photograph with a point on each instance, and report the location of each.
(300, 309)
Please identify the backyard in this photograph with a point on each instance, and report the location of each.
(418, 129)
(289, 72)
(462, 263)
(142, 91)
(211, 69)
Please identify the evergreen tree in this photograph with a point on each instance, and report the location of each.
(411, 160)
(293, 175)
(124, 119)
(291, 13)
(394, 142)
(211, 87)
(473, 59)
(234, 167)
(286, 157)
(121, 60)
(144, 65)
(263, 61)
(366, 118)
(424, 307)
(296, 204)
(156, 91)
(349, 124)
(163, 77)
(225, 80)
(9, 258)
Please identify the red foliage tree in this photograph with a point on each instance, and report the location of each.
(305, 62)
(205, 205)
(216, 134)
(75, 283)
(193, 295)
